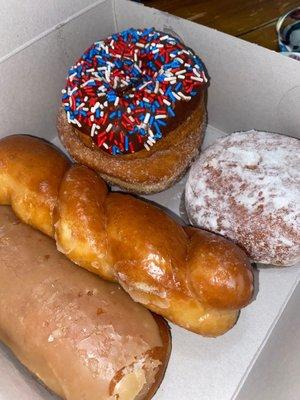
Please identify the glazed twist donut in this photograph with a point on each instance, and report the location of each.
(194, 278)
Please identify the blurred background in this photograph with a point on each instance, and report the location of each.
(252, 20)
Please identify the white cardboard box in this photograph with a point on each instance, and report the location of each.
(251, 87)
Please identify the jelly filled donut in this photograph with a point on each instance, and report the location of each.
(134, 109)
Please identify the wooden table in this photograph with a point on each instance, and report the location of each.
(252, 20)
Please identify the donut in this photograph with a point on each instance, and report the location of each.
(246, 187)
(133, 109)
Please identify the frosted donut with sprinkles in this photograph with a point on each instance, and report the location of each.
(127, 93)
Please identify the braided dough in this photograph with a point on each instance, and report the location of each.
(194, 278)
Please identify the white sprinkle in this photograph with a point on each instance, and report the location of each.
(182, 71)
(101, 115)
(146, 100)
(80, 105)
(150, 138)
(159, 46)
(131, 118)
(108, 128)
(187, 65)
(155, 51)
(77, 122)
(85, 98)
(73, 91)
(129, 110)
(149, 142)
(166, 102)
(93, 130)
(87, 82)
(92, 118)
(161, 116)
(144, 85)
(101, 94)
(64, 91)
(105, 145)
(179, 59)
(204, 77)
(68, 116)
(93, 109)
(146, 119)
(105, 103)
(72, 76)
(137, 102)
(147, 147)
(140, 45)
(181, 76)
(90, 70)
(156, 87)
(196, 72)
(85, 109)
(164, 37)
(176, 96)
(169, 78)
(196, 78)
(116, 101)
(183, 96)
(137, 67)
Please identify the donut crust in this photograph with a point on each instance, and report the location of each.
(143, 172)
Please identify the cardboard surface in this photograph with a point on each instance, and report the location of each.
(250, 88)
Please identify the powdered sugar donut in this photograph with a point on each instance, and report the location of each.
(246, 187)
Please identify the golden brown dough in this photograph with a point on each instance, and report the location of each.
(194, 278)
(83, 337)
(145, 171)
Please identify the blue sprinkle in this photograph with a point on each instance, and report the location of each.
(126, 143)
(112, 115)
(161, 122)
(151, 120)
(172, 97)
(158, 131)
(171, 112)
(178, 86)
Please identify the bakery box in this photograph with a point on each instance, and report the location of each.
(251, 87)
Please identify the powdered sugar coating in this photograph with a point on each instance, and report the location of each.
(246, 187)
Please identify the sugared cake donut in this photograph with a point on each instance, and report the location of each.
(134, 109)
(246, 187)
